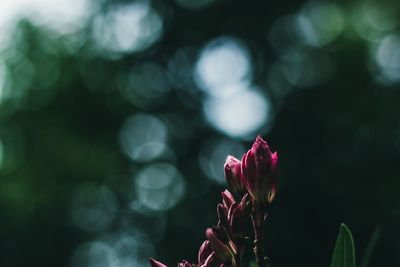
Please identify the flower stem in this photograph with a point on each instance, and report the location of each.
(258, 218)
(243, 253)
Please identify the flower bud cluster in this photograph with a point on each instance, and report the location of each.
(252, 182)
(256, 173)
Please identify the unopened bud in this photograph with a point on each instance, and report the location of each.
(184, 264)
(260, 172)
(227, 199)
(204, 252)
(211, 261)
(233, 173)
(222, 213)
(238, 219)
(218, 243)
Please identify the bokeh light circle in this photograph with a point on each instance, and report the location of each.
(93, 207)
(158, 187)
(145, 85)
(388, 57)
(306, 67)
(319, 23)
(93, 254)
(127, 28)
(143, 137)
(223, 64)
(241, 115)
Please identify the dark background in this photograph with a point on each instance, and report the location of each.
(116, 118)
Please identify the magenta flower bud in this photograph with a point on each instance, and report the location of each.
(204, 252)
(259, 172)
(238, 218)
(218, 243)
(211, 261)
(222, 213)
(232, 217)
(155, 263)
(184, 264)
(227, 199)
(233, 173)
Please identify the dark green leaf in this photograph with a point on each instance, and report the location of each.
(343, 254)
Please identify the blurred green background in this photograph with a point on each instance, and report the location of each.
(116, 118)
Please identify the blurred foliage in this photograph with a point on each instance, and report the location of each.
(116, 118)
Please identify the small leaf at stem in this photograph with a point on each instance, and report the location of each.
(344, 254)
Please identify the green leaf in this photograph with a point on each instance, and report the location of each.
(370, 246)
(343, 254)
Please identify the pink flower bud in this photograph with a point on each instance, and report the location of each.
(259, 172)
(223, 209)
(184, 264)
(211, 261)
(204, 252)
(218, 243)
(222, 215)
(227, 199)
(238, 219)
(233, 175)
(155, 263)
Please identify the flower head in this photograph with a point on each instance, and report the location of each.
(232, 169)
(260, 172)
